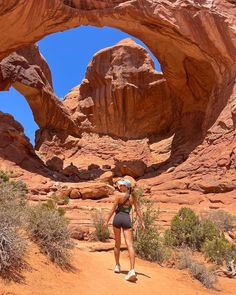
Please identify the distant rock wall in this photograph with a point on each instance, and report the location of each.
(122, 94)
(195, 43)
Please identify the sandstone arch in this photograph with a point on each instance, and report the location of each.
(194, 41)
(27, 71)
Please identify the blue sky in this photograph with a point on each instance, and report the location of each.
(68, 54)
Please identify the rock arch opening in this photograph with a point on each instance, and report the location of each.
(69, 53)
(13, 103)
(197, 59)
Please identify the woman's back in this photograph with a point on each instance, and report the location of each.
(125, 202)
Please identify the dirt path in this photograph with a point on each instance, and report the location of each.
(94, 275)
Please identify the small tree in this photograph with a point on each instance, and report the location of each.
(187, 231)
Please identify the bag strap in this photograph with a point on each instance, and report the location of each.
(126, 199)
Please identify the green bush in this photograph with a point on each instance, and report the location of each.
(207, 231)
(149, 246)
(187, 231)
(148, 243)
(49, 229)
(184, 229)
(222, 219)
(219, 250)
(101, 233)
(197, 270)
(4, 176)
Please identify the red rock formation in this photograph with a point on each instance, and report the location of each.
(15, 146)
(27, 71)
(90, 148)
(195, 42)
(122, 95)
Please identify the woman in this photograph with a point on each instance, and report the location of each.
(122, 206)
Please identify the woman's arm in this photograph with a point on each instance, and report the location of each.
(113, 209)
(136, 208)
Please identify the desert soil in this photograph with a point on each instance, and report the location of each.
(93, 274)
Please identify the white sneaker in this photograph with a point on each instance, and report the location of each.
(131, 276)
(117, 268)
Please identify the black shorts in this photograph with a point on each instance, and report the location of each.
(122, 220)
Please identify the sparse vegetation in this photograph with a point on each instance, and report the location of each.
(101, 233)
(148, 244)
(199, 271)
(12, 248)
(49, 229)
(4, 176)
(44, 223)
(12, 244)
(222, 219)
(219, 250)
(187, 231)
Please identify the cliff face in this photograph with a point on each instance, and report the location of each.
(195, 43)
(122, 95)
(193, 40)
(15, 147)
(27, 71)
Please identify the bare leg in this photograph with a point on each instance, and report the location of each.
(129, 243)
(117, 233)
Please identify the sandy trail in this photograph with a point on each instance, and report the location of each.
(94, 275)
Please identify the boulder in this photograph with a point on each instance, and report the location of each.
(133, 168)
(75, 194)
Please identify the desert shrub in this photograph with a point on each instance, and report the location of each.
(222, 219)
(148, 243)
(12, 192)
(101, 233)
(52, 204)
(56, 199)
(198, 270)
(12, 244)
(12, 202)
(49, 229)
(187, 231)
(207, 231)
(219, 250)
(19, 187)
(12, 248)
(184, 229)
(4, 176)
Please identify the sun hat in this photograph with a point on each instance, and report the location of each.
(125, 182)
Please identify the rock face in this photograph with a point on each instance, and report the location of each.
(122, 95)
(197, 57)
(15, 146)
(27, 71)
(92, 149)
(192, 163)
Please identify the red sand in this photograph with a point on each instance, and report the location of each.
(94, 275)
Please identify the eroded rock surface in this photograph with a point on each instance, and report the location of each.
(28, 72)
(122, 94)
(195, 43)
(15, 146)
